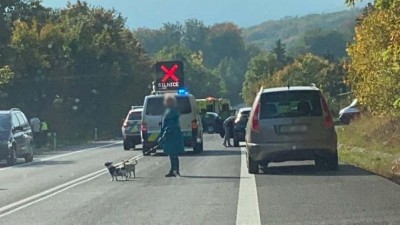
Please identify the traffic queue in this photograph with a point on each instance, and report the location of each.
(143, 123)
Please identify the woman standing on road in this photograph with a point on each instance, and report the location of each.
(170, 137)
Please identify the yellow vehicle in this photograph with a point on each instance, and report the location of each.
(211, 104)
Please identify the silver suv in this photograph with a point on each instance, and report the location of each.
(290, 124)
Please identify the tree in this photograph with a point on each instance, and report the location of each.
(280, 52)
(374, 65)
(260, 67)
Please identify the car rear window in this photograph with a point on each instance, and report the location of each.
(155, 106)
(135, 116)
(290, 104)
(245, 113)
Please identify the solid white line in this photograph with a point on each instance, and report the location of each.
(248, 212)
(13, 207)
(60, 155)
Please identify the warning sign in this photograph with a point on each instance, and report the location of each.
(169, 75)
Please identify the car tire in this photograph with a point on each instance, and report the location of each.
(146, 151)
(127, 145)
(28, 157)
(332, 162)
(198, 147)
(12, 158)
(252, 166)
(235, 143)
(210, 129)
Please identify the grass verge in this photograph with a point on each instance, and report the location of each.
(372, 143)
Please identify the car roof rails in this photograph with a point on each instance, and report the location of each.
(15, 109)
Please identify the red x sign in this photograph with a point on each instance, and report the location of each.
(170, 73)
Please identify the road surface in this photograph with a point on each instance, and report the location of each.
(74, 188)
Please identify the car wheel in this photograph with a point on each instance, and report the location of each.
(198, 147)
(146, 151)
(332, 162)
(127, 145)
(210, 129)
(28, 157)
(12, 158)
(252, 166)
(345, 120)
(235, 143)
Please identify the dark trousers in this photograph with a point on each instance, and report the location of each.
(174, 162)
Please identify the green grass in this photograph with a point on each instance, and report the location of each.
(372, 143)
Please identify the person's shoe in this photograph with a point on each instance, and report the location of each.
(229, 145)
(170, 174)
(177, 174)
(224, 145)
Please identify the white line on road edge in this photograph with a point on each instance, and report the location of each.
(16, 206)
(248, 212)
(61, 155)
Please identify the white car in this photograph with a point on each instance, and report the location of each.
(190, 121)
(349, 113)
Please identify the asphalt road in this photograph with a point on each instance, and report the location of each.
(74, 188)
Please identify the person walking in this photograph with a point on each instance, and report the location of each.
(228, 123)
(170, 137)
(35, 124)
(43, 133)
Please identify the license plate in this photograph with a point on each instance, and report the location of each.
(293, 129)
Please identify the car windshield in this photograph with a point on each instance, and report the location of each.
(283, 104)
(155, 106)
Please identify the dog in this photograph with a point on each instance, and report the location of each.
(116, 171)
(130, 167)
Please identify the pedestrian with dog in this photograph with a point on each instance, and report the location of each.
(170, 137)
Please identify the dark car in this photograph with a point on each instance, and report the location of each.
(131, 128)
(208, 120)
(291, 124)
(15, 136)
(239, 126)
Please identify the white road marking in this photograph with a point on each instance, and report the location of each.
(16, 206)
(61, 155)
(248, 212)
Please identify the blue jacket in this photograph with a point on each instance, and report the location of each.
(171, 135)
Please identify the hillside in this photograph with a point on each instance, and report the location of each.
(291, 30)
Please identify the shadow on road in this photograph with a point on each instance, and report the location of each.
(205, 153)
(311, 170)
(210, 177)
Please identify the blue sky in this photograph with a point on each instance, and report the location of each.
(245, 13)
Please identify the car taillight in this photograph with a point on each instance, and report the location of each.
(327, 113)
(255, 123)
(143, 127)
(194, 124)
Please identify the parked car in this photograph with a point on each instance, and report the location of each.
(289, 124)
(208, 120)
(131, 128)
(16, 140)
(349, 113)
(239, 126)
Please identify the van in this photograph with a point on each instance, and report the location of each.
(190, 121)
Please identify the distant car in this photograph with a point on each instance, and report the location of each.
(349, 113)
(208, 120)
(131, 128)
(291, 124)
(16, 140)
(239, 126)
